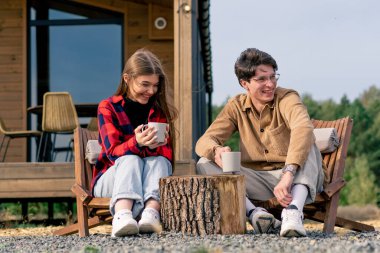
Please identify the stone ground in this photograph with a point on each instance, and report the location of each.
(106, 229)
(369, 215)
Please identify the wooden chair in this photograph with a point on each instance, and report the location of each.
(91, 211)
(59, 116)
(6, 136)
(324, 209)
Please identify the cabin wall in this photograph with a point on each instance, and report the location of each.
(139, 31)
(13, 73)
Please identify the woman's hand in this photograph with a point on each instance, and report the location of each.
(218, 155)
(148, 137)
(283, 188)
(145, 137)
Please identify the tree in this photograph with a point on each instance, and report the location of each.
(361, 188)
(313, 107)
(372, 95)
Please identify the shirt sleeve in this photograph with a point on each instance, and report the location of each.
(218, 132)
(301, 128)
(113, 140)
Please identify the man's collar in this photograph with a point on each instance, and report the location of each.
(247, 102)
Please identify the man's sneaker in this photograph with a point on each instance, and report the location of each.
(292, 222)
(123, 224)
(150, 221)
(261, 220)
(275, 228)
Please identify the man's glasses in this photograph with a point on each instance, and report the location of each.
(264, 79)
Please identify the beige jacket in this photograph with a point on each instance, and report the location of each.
(281, 133)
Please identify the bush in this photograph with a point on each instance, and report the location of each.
(361, 188)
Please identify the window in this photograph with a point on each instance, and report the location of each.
(75, 48)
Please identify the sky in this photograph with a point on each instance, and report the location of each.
(324, 48)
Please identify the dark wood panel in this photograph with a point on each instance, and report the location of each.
(40, 184)
(36, 170)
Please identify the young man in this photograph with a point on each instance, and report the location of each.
(278, 155)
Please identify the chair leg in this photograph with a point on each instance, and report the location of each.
(53, 153)
(331, 212)
(82, 215)
(38, 157)
(7, 139)
(42, 155)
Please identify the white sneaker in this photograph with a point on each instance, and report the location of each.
(292, 224)
(261, 220)
(123, 224)
(150, 221)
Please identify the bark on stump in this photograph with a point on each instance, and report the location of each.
(201, 205)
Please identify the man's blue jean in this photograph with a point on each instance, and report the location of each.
(135, 178)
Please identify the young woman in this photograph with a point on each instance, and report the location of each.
(132, 161)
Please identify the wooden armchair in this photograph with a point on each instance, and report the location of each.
(324, 209)
(91, 211)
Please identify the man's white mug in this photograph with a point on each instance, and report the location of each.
(160, 128)
(231, 161)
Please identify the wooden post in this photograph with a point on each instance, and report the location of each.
(201, 205)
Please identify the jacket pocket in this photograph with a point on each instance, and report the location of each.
(280, 137)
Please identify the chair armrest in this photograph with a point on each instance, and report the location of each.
(82, 194)
(333, 187)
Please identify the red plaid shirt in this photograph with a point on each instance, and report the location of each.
(117, 137)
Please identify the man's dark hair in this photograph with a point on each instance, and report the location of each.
(249, 60)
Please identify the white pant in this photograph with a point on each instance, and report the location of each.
(133, 177)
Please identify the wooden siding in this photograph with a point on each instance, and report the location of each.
(13, 72)
(13, 83)
(137, 36)
(136, 31)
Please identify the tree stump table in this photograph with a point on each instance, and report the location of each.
(201, 205)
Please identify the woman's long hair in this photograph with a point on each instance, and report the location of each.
(144, 62)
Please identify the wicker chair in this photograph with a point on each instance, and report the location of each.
(7, 136)
(59, 116)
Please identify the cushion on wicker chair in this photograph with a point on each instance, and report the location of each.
(93, 150)
(326, 139)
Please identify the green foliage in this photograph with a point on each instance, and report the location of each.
(361, 188)
(364, 144)
(90, 249)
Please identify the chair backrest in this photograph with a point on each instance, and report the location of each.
(83, 169)
(335, 161)
(93, 124)
(59, 113)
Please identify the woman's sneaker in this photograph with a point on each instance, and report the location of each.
(292, 224)
(150, 221)
(262, 221)
(123, 224)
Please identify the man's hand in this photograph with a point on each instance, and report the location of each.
(218, 155)
(282, 189)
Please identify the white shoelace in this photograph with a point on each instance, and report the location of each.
(293, 216)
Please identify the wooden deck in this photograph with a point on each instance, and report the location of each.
(48, 182)
(36, 180)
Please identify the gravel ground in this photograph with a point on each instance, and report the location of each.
(316, 241)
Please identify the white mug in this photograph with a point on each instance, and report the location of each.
(160, 128)
(231, 161)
